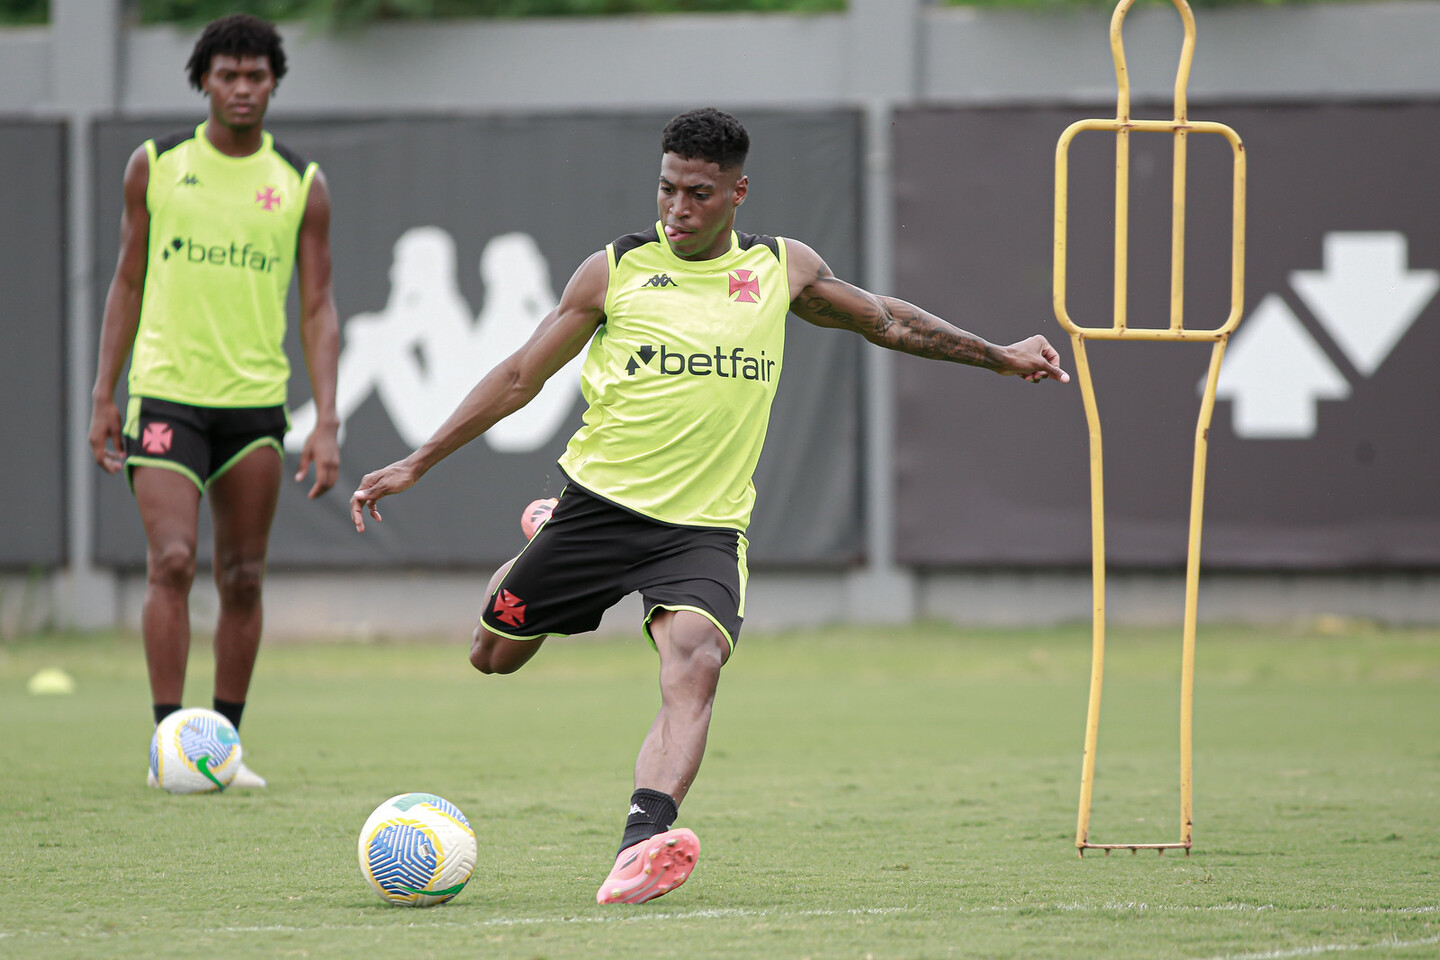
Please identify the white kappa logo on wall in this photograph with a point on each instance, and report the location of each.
(1366, 298)
(425, 350)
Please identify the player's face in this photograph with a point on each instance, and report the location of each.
(697, 203)
(239, 89)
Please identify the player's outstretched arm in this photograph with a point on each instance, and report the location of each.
(827, 301)
(122, 315)
(513, 383)
(319, 337)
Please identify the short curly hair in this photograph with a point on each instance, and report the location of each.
(238, 35)
(707, 134)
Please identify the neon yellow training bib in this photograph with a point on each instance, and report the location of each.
(680, 378)
(223, 237)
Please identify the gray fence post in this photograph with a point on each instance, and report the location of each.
(85, 64)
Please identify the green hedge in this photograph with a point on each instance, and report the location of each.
(24, 11)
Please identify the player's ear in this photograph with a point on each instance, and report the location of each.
(742, 187)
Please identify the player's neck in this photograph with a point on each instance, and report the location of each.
(232, 141)
(717, 249)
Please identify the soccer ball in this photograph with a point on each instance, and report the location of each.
(417, 850)
(194, 751)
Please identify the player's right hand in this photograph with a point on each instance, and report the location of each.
(399, 476)
(107, 444)
(1034, 360)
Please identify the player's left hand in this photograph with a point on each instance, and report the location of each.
(1035, 360)
(322, 448)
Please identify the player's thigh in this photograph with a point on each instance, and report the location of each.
(242, 505)
(492, 653)
(699, 573)
(568, 575)
(169, 503)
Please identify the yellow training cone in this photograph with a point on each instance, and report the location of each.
(51, 680)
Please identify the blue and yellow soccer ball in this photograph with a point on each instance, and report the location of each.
(194, 751)
(417, 850)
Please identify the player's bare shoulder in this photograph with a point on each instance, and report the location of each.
(317, 200)
(585, 292)
(137, 176)
(804, 266)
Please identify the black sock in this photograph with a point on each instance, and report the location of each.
(163, 710)
(651, 812)
(230, 710)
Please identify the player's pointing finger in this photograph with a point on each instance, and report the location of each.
(1051, 356)
(358, 500)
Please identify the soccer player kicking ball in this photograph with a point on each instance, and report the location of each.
(685, 324)
(214, 222)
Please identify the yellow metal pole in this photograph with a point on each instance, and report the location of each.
(1177, 235)
(1192, 592)
(1177, 204)
(1097, 569)
(1237, 230)
(1122, 169)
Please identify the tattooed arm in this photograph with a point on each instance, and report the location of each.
(827, 301)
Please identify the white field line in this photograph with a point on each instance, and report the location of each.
(1329, 948)
(725, 913)
(711, 914)
(1140, 906)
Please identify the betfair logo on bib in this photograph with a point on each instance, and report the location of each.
(234, 255)
(734, 365)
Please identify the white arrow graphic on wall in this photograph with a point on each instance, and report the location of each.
(1275, 373)
(1366, 297)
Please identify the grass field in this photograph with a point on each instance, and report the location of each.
(866, 794)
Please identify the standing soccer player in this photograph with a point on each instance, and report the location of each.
(685, 323)
(214, 222)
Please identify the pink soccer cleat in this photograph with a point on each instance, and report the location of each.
(650, 868)
(535, 515)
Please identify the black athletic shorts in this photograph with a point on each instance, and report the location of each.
(199, 442)
(591, 553)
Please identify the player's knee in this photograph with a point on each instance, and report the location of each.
(239, 582)
(171, 566)
(494, 654)
(479, 655)
(482, 652)
(485, 653)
